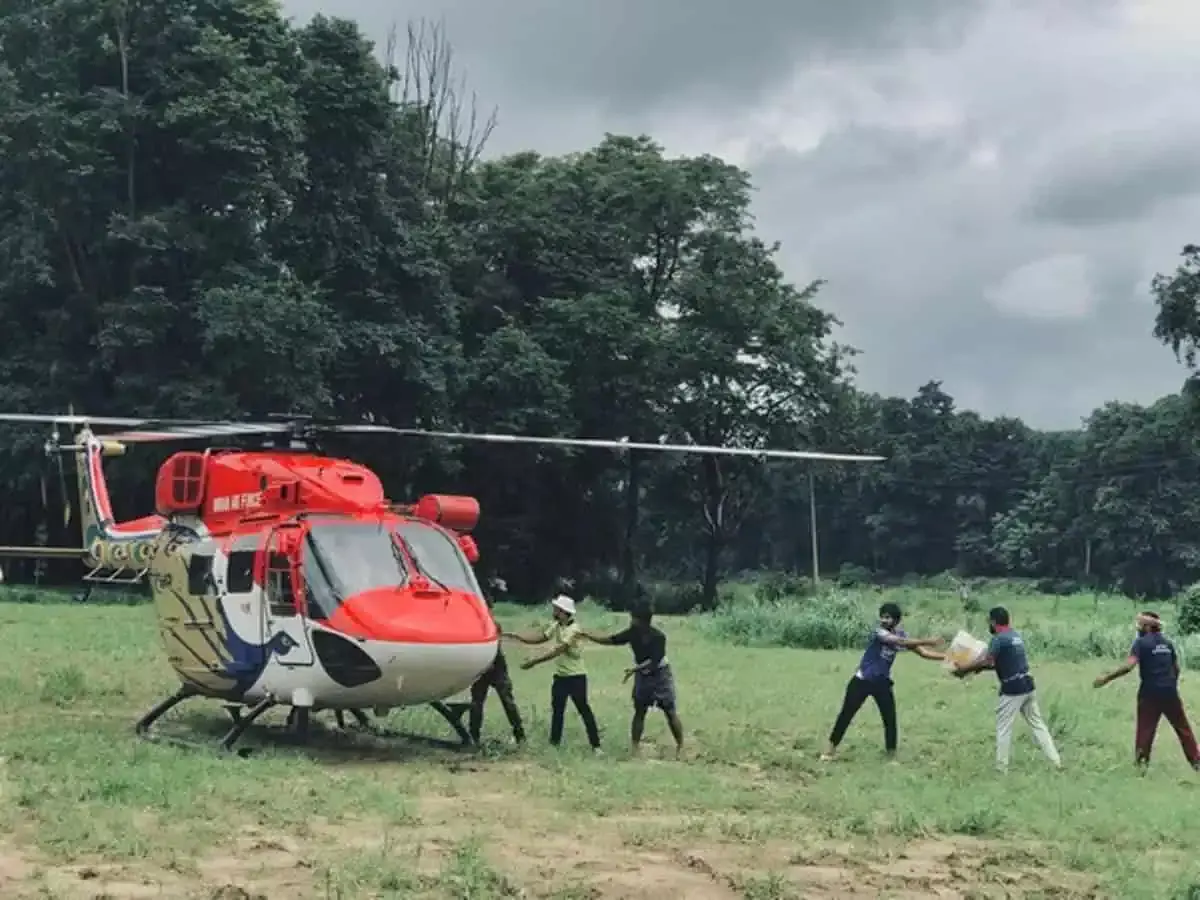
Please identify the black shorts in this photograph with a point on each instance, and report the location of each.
(656, 688)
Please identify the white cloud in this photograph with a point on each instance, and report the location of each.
(1057, 287)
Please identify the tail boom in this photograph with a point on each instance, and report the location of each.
(110, 545)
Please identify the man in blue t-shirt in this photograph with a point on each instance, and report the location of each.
(1006, 654)
(874, 678)
(1158, 692)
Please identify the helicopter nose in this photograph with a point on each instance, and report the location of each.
(405, 615)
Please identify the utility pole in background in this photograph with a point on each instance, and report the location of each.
(812, 527)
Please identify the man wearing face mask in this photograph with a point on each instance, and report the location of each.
(1158, 692)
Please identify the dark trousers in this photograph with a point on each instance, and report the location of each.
(495, 678)
(857, 692)
(1150, 707)
(573, 688)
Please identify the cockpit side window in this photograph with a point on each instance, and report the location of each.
(280, 597)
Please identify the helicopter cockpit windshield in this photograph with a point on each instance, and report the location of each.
(343, 558)
(438, 557)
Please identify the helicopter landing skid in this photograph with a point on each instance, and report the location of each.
(299, 719)
(453, 713)
(245, 721)
(240, 721)
(142, 728)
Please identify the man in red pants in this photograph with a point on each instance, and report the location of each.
(1158, 693)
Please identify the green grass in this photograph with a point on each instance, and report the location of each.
(88, 811)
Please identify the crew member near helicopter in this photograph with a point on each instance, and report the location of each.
(653, 683)
(498, 679)
(570, 677)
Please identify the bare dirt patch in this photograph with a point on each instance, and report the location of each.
(950, 868)
(540, 852)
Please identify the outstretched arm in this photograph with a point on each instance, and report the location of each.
(907, 643)
(609, 640)
(926, 653)
(531, 637)
(545, 657)
(1119, 672)
(567, 639)
(987, 661)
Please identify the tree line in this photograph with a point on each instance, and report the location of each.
(206, 210)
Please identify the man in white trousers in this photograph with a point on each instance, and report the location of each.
(1006, 654)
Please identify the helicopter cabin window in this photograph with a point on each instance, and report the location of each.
(240, 579)
(438, 556)
(281, 600)
(199, 574)
(343, 559)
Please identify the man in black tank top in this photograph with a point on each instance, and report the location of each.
(1158, 690)
(653, 683)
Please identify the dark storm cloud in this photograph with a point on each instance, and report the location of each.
(987, 186)
(626, 55)
(1123, 173)
(623, 56)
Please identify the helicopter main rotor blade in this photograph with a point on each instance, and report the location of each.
(193, 432)
(596, 443)
(34, 418)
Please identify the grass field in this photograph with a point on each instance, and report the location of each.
(87, 811)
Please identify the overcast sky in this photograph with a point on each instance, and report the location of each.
(987, 185)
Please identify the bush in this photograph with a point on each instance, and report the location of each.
(675, 599)
(778, 586)
(1059, 587)
(852, 576)
(834, 621)
(1189, 611)
(664, 597)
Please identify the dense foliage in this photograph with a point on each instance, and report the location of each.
(205, 210)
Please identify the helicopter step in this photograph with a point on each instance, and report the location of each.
(103, 575)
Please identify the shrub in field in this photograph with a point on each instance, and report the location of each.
(1189, 611)
(777, 586)
(831, 621)
(675, 599)
(852, 576)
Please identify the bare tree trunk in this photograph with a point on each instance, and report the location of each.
(451, 130)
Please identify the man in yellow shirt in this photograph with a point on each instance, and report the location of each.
(570, 676)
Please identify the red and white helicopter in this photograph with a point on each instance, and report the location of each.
(283, 577)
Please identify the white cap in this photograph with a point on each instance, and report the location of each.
(565, 603)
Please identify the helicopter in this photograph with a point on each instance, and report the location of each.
(284, 577)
